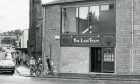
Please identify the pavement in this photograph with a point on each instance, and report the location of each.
(25, 71)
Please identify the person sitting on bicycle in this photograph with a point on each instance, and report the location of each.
(39, 63)
(40, 60)
(32, 64)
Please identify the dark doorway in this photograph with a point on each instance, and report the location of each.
(96, 58)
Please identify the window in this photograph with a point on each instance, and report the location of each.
(94, 19)
(69, 20)
(108, 54)
(107, 7)
(88, 19)
(84, 19)
(104, 7)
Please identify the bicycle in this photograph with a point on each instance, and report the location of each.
(46, 71)
(35, 70)
(53, 71)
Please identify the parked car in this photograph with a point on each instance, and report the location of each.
(7, 66)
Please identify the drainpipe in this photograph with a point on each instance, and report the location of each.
(44, 21)
(132, 40)
(50, 51)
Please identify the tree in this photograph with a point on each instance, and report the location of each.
(10, 34)
(17, 32)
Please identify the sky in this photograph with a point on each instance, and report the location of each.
(14, 14)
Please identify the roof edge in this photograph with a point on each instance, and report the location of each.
(65, 2)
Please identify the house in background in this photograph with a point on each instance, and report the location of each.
(23, 49)
(24, 38)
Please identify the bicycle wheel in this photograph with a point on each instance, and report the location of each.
(31, 71)
(54, 72)
(37, 72)
(40, 67)
(46, 72)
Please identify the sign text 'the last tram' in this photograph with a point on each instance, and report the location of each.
(86, 40)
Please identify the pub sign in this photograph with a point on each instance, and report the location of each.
(88, 40)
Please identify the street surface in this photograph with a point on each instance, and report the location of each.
(16, 79)
(6, 78)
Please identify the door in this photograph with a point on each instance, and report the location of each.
(102, 59)
(96, 58)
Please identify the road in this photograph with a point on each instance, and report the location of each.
(15, 78)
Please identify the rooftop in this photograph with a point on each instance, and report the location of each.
(63, 1)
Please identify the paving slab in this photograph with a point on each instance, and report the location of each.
(23, 71)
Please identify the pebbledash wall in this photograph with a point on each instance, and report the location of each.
(77, 59)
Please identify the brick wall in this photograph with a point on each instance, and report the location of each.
(51, 46)
(123, 36)
(136, 52)
(74, 60)
(67, 59)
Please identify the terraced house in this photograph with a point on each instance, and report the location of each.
(93, 36)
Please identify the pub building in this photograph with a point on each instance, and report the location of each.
(92, 36)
